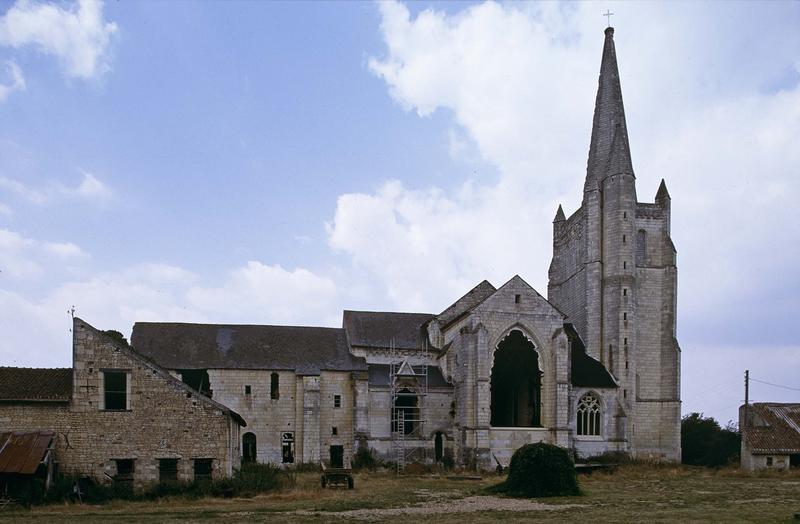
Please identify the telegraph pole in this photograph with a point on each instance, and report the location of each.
(746, 396)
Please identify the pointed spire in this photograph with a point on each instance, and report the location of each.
(559, 215)
(662, 194)
(609, 148)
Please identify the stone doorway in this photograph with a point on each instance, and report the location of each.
(516, 383)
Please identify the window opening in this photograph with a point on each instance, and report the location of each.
(641, 247)
(124, 474)
(334, 430)
(249, 449)
(115, 384)
(516, 383)
(274, 386)
(202, 469)
(247, 389)
(197, 379)
(407, 404)
(337, 456)
(167, 470)
(589, 416)
(287, 447)
(517, 298)
(337, 401)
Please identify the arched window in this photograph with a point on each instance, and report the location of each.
(589, 415)
(641, 247)
(249, 447)
(516, 383)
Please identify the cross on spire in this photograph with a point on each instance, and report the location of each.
(608, 14)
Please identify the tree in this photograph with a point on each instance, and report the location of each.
(705, 443)
(116, 335)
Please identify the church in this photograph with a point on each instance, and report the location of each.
(594, 367)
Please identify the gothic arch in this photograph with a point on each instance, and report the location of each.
(589, 415)
(516, 382)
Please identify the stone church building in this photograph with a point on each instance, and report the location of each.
(594, 367)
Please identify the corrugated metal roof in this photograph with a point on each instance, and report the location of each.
(21, 453)
(35, 384)
(773, 428)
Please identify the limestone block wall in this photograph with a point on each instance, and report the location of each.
(164, 417)
(336, 383)
(614, 421)
(267, 418)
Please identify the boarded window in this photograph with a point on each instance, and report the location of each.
(167, 470)
(115, 384)
(274, 386)
(337, 401)
(202, 469)
(287, 447)
(589, 415)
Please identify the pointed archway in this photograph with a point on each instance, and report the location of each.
(516, 383)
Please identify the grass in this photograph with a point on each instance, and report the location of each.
(632, 493)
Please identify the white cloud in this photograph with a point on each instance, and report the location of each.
(77, 35)
(22, 257)
(5, 210)
(15, 79)
(64, 249)
(255, 292)
(90, 188)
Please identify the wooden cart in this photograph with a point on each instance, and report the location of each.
(336, 477)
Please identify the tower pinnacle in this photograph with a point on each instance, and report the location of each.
(608, 148)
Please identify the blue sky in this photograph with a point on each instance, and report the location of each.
(277, 162)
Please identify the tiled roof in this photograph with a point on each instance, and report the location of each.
(380, 329)
(773, 428)
(305, 350)
(35, 384)
(465, 304)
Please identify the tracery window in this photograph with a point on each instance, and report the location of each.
(589, 415)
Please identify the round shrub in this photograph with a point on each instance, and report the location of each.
(540, 470)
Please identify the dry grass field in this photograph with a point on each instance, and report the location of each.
(631, 494)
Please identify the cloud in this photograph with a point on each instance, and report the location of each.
(64, 249)
(77, 35)
(15, 79)
(5, 210)
(90, 188)
(254, 292)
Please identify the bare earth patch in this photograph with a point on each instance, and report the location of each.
(437, 505)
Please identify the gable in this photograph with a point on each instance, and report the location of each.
(518, 297)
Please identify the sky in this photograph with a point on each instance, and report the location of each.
(275, 163)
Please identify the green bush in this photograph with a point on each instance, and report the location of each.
(705, 443)
(364, 459)
(540, 470)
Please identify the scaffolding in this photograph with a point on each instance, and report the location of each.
(409, 391)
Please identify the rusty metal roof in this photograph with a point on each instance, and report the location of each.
(773, 428)
(21, 453)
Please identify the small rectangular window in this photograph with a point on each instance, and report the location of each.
(624, 292)
(202, 469)
(624, 265)
(769, 461)
(167, 470)
(624, 238)
(624, 316)
(624, 393)
(517, 299)
(274, 386)
(334, 431)
(247, 389)
(337, 401)
(115, 384)
(625, 341)
(124, 471)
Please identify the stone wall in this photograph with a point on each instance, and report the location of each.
(163, 418)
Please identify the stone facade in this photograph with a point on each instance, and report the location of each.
(614, 275)
(162, 418)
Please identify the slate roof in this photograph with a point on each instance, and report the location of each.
(465, 304)
(378, 329)
(304, 350)
(379, 376)
(35, 384)
(586, 371)
(21, 453)
(773, 428)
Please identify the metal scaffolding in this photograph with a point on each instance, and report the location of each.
(409, 391)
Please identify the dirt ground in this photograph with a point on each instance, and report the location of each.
(631, 494)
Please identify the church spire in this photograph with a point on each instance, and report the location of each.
(609, 148)
(559, 215)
